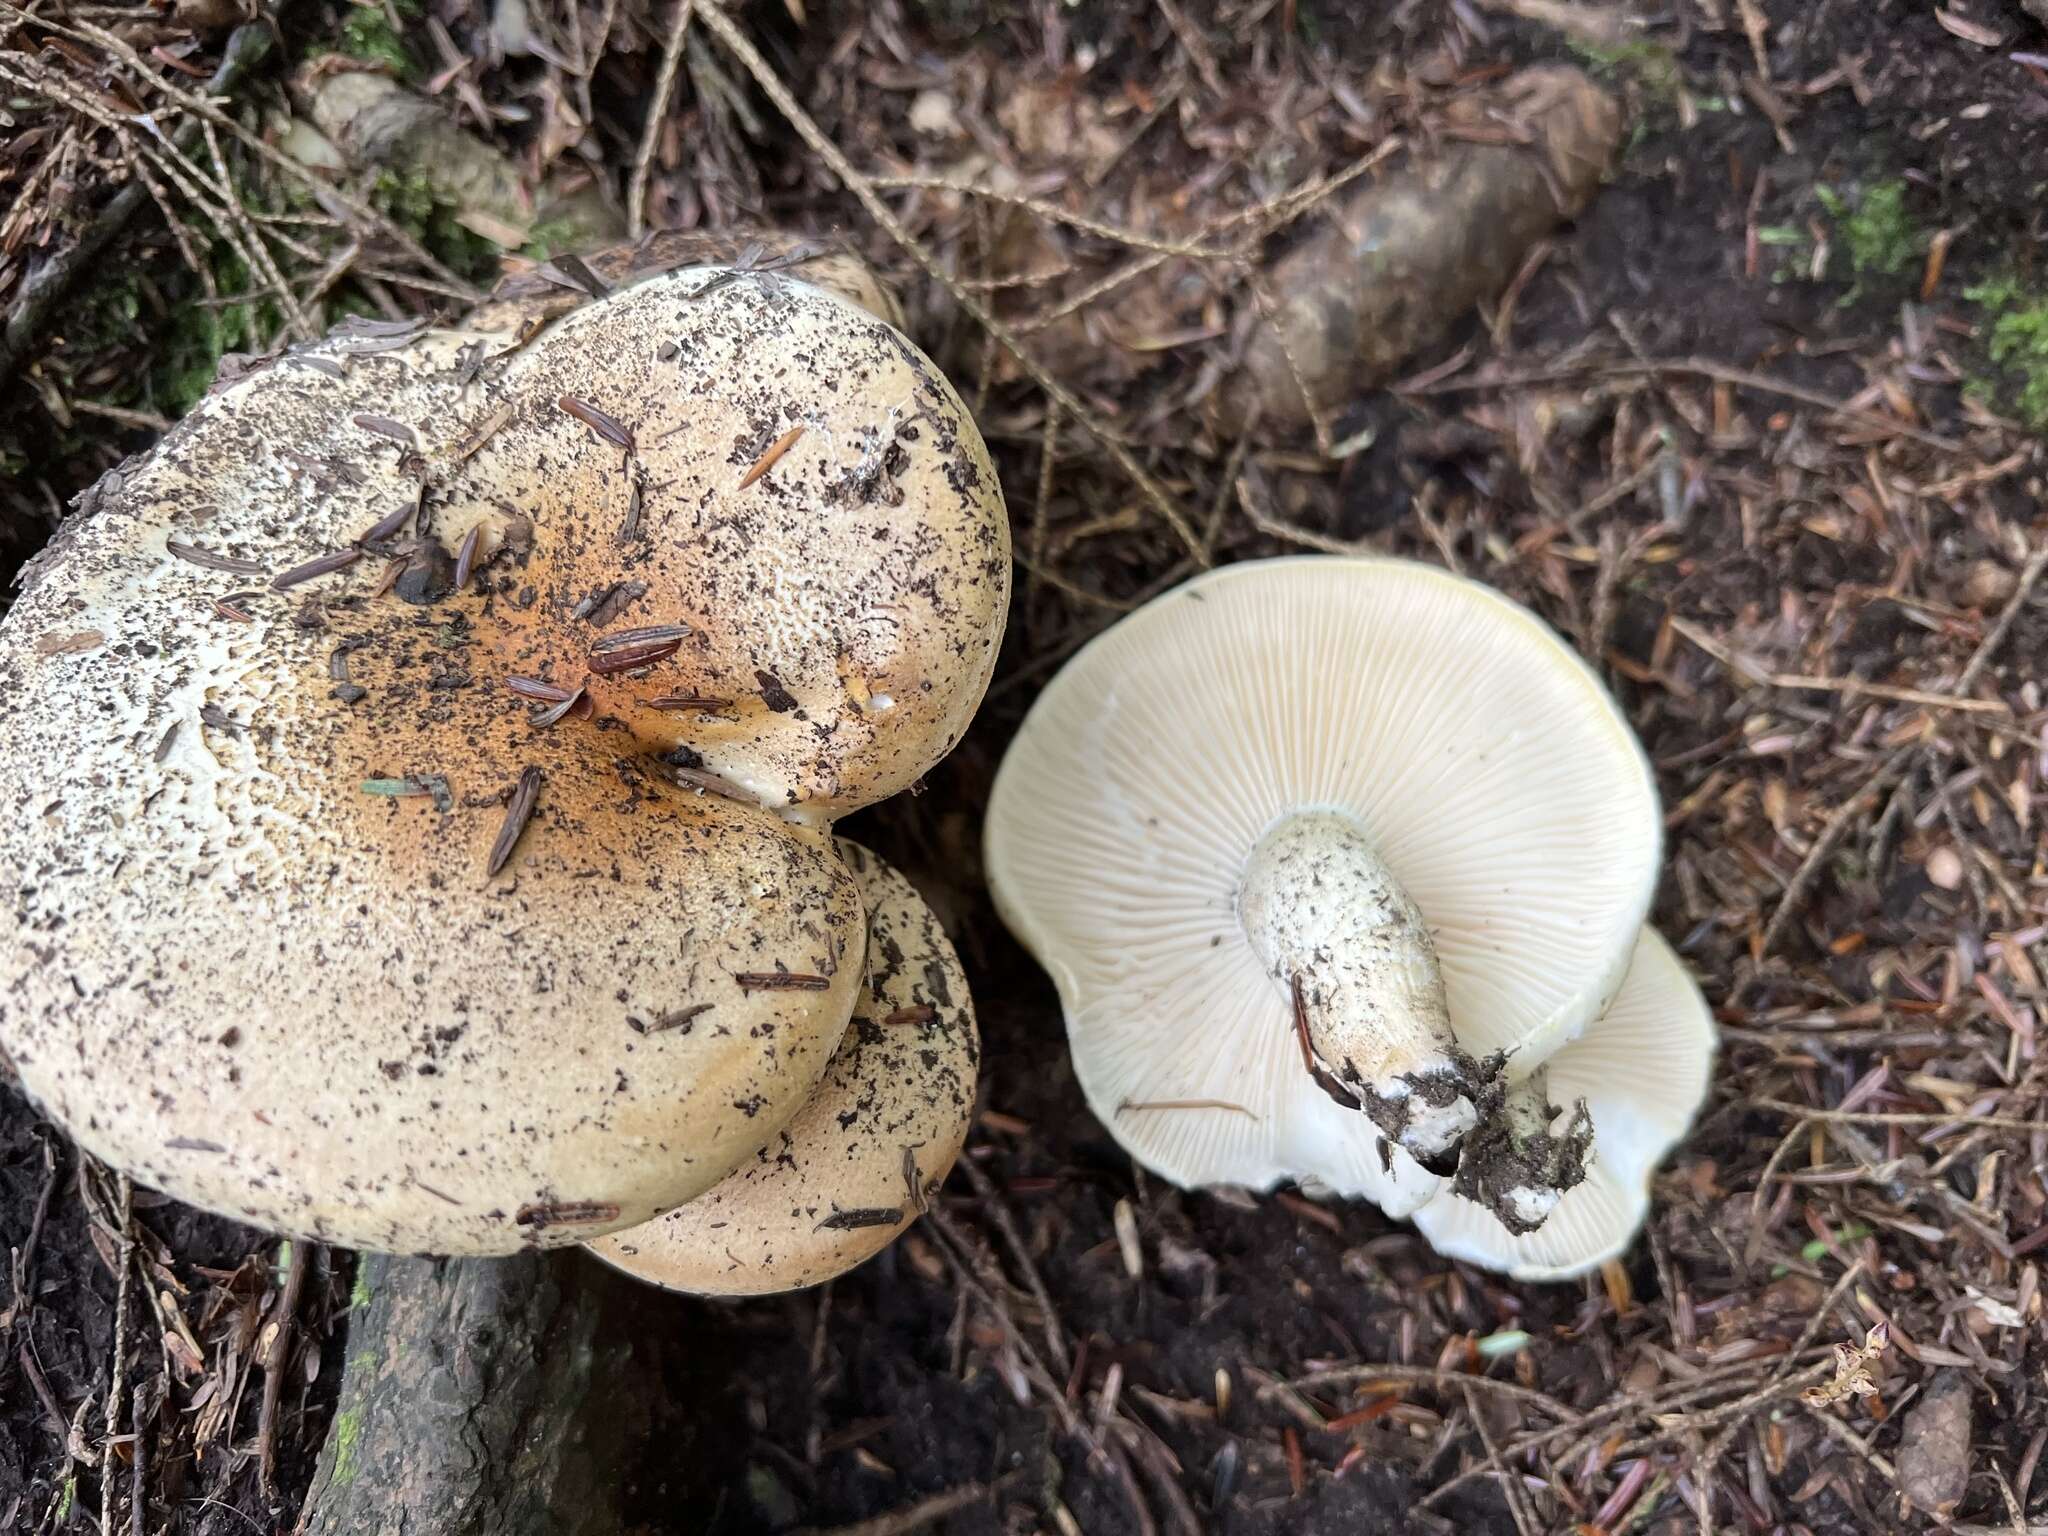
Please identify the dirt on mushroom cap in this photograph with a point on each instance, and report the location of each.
(258, 954)
(859, 1160)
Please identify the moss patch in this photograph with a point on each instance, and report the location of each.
(1650, 66)
(2015, 331)
(410, 202)
(368, 34)
(348, 1434)
(1879, 236)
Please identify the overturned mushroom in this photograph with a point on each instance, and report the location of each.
(865, 1153)
(1398, 859)
(418, 825)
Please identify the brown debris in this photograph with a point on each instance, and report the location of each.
(1934, 1445)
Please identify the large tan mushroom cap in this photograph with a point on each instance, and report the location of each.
(1442, 726)
(853, 1169)
(813, 501)
(233, 970)
(1642, 1069)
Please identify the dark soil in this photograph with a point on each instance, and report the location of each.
(1804, 539)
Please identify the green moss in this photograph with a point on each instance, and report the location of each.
(187, 333)
(1877, 233)
(368, 35)
(2016, 342)
(410, 203)
(348, 1433)
(1648, 65)
(359, 1293)
(550, 236)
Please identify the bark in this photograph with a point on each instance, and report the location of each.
(1402, 261)
(482, 1397)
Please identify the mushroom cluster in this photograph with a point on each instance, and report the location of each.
(1342, 868)
(422, 764)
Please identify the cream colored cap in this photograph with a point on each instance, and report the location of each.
(312, 922)
(860, 1159)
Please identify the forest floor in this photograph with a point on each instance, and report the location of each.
(1758, 435)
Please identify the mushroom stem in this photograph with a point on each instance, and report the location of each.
(1334, 928)
(1515, 1165)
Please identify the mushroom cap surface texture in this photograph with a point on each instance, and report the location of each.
(310, 921)
(841, 1180)
(1477, 756)
(1642, 1069)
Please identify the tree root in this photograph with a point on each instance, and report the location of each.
(1401, 261)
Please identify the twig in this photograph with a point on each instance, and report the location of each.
(1253, 500)
(1852, 687)
(2030, 576)
(1006, 1223)
(1702, 367)
(276, 1355)
(657, 113)
(202, 107)
(24, 1257)
(1197, 50)
(1048, 453)
(1423, 1375)
(915, 1517)
(1510, 1485)
(743, 49)
(1195, 249)
(1824, 845)
(117, 1384)
(1901, 757)
(1886, 1117)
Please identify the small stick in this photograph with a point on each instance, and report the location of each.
(299, 1258)
(743, 49)
(117, 1386)
(657, 110)
(1006, 1223)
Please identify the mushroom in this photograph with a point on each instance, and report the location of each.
(1327, 857)
(863, 1156)
(1640, 1071)
(421, 764)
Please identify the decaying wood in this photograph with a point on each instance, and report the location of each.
(1402, 260)
(378, 122)
(482, 1397)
